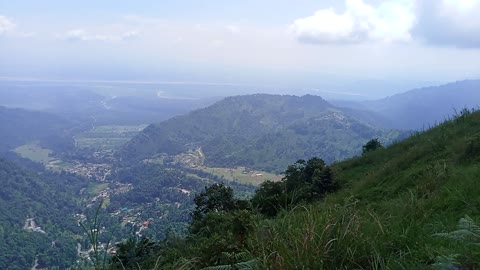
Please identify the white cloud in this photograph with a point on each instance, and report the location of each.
(130, 35)
(6, 25)
(76, 34)
(387, 22)
(217, 43)
(232, 29)
(449, 22)
(453, 23)
(80, 34)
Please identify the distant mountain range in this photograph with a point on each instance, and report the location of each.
(260, 131)
(423, 107)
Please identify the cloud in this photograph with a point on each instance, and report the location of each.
(217, 43)
(454, 23)
(6, 25)
(130, 35)
(81, 34)
(449, 23)
(232, 29)
(361, 22)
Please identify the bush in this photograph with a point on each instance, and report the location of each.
(372, 145)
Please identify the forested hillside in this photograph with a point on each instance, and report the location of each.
(21, 126)
(36, 217)
(412, 205)
(258, 131)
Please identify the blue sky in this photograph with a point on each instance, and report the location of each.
(296, 43)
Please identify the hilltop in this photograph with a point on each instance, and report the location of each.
(259, 131)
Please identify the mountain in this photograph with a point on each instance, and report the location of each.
(36, 218)
(260, 131)
(412, 205)
(424, 107)
(21, 126)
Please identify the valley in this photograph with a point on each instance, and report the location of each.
(145, 176)
(240, 135)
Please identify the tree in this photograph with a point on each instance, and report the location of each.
(372, 145)
(269, 198)
(304, 181)
(324, 182)
(133, 253)
(216, 197)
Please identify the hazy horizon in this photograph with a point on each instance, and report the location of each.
(358, 48)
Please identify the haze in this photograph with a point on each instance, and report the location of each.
(357, 48)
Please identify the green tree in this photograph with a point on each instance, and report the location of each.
(372, 145)
(135, 253)
(216, 197)
(304, 181)
(269, 198)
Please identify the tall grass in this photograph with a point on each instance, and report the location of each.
(393, 202)
(315, 237)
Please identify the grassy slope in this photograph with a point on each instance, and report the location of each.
(392, 203)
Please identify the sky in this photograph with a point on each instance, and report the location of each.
(361, 46)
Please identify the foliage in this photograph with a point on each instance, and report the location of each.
(372, 145)
(264, 132)
(92, 228)
(383, 216)
(50, 200)
(135, 254)
(467, 232)
(304, 181)
(21, 126)
(164, 194)
(216, 197)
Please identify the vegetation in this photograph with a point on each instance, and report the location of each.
(372, 145)
(304, 181)
(35, 153)
(264, 132)
(107, 137)
(21, 126)
(391, 211)
(411, 205)
(36, 218)
(242, 175)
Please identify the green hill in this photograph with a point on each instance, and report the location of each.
(258, 131)
(392, 203)
(21, 126)
(412, 205)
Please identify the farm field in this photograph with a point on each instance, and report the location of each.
(243, 175)
(107, 137)
(35, 153)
